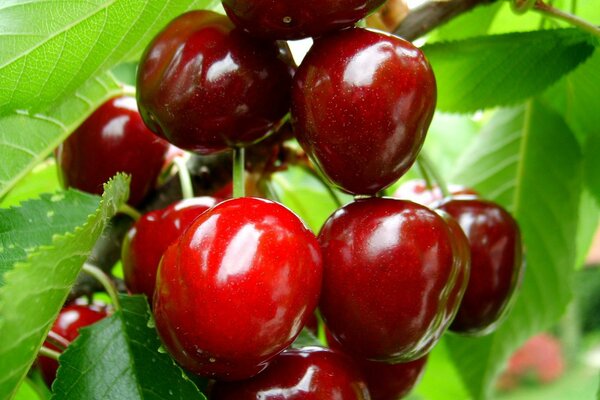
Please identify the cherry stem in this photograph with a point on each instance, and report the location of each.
(105, 281)
(574, 20)
(239, 186)
(57, 340)
(187, 189)
(433, 172)
(130, 212)
(46, 352)
(321, 329)
(317, 176)
(424, 174)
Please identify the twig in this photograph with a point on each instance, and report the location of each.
(430, 15)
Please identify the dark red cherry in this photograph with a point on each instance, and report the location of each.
(205, 86)
(361, 104)
(66, 326)
(390, 278)
(310, 373)
(113, 139)
(237, 287)
(496, 263)
(416, 190)
(386, 381)
(149, 237)
(294, 19)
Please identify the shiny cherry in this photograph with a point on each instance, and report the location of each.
(390, 278)
(362, 102)
(296, 19)
(386, 381)
(310, 373)
(66, 326)
(113, 139)
(149, 237)
(205, 86)
(416, 190)
(496, 263)
(237, 287)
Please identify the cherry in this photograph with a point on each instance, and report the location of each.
(361, 130)
(416, 190)
(113, 139)
(386, 381)
(300, 374)
(149, 237)
(67, 324)
(294, 19)
(390, 278)
(237, 287)
(496, 263)
(205, 86)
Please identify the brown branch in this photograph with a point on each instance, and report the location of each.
(430, 15)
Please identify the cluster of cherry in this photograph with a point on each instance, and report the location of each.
(233, 282)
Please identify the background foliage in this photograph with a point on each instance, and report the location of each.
(525, 131)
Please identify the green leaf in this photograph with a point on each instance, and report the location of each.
(489, 71)
(441, 380)
(46, 130)
(26, 392)
(306, 338)
(473, 23)
(65, 42)
(118, 358)
(32, 225)
(576, 97)
(36, 289)
(527, 160)
(42, 179)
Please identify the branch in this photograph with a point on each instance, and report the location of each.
(430, 15)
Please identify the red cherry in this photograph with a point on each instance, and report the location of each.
(496, 263)
(149, 237)
(309, 373)
(386, 381)
(390, 278)
(237, 287)
(113, 139)
(293, 19)
(67, 325)
(204, 85)
(361, 104)
(416, 190)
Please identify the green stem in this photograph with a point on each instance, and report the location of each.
(187, 189)
(330, 191)
(321, 329)
(270, 189)
(130, 212)
(424, 174)
(571, 19)
(239, 186)
(46, 352)
(57, 340)
(105, 281)
(437, 177)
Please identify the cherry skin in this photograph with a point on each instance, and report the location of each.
(67, 324)
(386, 381)
(310, 373)
(395, 265)
(360, 129)
(205, 86)
(496, 263)
(113, 139)
(294, 19)
(147, 240)
(416, 190)
(237, 287)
